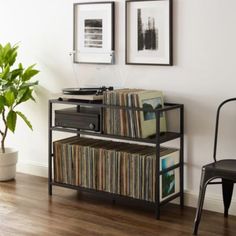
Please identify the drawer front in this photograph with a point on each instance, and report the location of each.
(89, 122)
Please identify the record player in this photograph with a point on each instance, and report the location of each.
(89, 94)
(86, 91)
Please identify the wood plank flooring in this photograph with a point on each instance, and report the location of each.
(26, 209)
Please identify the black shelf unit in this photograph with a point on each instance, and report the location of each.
(157, 140)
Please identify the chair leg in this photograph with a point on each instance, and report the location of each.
(227, 189)
(201, 197)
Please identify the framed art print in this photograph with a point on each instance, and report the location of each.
(149, 32)
(94, 32)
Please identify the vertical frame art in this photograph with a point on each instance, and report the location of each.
(94, 40)
(149, 32)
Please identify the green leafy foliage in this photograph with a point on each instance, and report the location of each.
(8, 55)
(16, 87)
(2, 102)
(29, 73)
(25, 119)
(11, 120)
(9, 98)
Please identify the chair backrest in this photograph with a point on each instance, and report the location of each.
(217, 124)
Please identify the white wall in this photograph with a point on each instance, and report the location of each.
(203, 74)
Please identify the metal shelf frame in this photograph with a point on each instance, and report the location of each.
(157, 140)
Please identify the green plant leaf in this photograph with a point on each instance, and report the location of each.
(12, 56)
(29, 84)
(29, 73)
(31, 96)
(6, 50)
(4, 83)
(10, 98)
(20, 66)
(6, 53)
(23, 95)
(15, 73)
(11, 120)
(9, 54)
(5, 74)
(2, 103)
(2, 100)
(25, 119)
(20, 95)
(14, 90)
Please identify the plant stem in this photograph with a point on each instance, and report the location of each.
(5, 132)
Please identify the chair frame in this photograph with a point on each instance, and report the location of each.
(228, 179)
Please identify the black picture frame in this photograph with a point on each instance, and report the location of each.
(167, 41)
(104, 54)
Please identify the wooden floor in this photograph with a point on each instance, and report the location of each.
(26, 209)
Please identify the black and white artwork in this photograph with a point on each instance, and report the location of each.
(93, 33)
(149, 32)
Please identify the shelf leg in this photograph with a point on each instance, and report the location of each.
(157, 212)
(113, 201)
(182, 201)
(182, 157)
(49, 189)
(157, 174)
(49, 148)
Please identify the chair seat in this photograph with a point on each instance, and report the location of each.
(221, 169)
(222, 165)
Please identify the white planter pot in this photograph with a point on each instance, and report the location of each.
(8, 162)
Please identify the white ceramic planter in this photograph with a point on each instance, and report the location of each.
(8, 162)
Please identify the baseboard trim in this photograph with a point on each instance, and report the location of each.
(213, 202)
(32, 168)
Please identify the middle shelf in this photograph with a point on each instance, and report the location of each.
(164, 137)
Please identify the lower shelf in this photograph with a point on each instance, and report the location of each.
(123, 169)
(115, 196)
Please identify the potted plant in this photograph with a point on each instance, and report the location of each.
(15, 88)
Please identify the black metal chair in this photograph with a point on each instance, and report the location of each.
(224, 169)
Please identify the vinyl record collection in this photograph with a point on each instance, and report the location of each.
(130, 122)
(115, 167)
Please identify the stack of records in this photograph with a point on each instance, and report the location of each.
(133, 123)
(114, 167)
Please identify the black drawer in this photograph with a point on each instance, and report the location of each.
(84, 118)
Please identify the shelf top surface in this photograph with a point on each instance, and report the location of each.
(167, 106)
(164, 137)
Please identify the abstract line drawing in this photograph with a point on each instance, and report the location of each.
(147, 31)
(149, 38)
(94, 32)
(93, 37)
